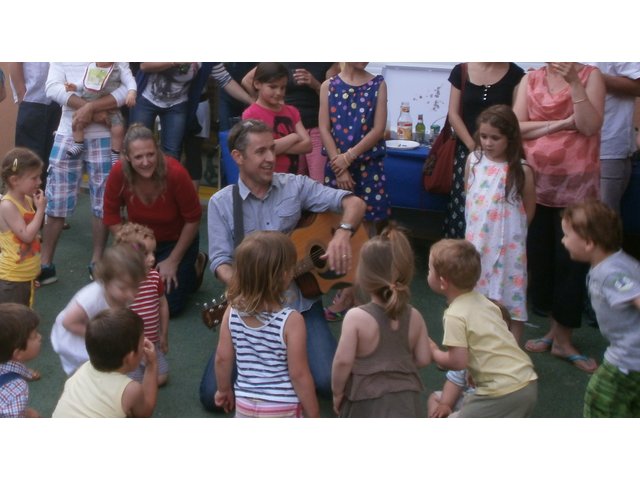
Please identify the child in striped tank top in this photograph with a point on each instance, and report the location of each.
(150, 302)
(265, 340)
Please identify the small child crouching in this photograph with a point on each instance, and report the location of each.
(19, 343)
(593, 234)
(478, 338)
(100, 388)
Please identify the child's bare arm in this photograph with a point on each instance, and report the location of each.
(285, 143)
(164, 324)
(139, 400)
(529, 193)
(225, 358)
(455, 358)
(15, 221)
(303, 145)
(636, 302)
(76, 319)
(344, 358)
(295, 336)
(419, 339)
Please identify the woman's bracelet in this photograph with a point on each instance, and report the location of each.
(351, 156)
(580, 101)
(548, 127)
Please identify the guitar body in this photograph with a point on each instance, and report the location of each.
(313, 276)
(311, 239)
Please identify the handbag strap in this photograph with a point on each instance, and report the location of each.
(238, 220)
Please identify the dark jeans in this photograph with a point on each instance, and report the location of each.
(321, 347)
(173, 121)
(556, 283)
(35, 127)
(177, 298)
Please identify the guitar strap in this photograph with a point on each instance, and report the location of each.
(238, 220)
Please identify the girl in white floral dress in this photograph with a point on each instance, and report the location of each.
(500, 203)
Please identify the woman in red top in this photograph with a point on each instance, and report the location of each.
(155, 190)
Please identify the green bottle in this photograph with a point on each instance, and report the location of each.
(420, 130)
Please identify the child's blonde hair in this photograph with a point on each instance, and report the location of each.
(121, 261)
(458, 261)
(596, 222)
(386, 269)
(18, 161)
(133, 233)
(261, 264)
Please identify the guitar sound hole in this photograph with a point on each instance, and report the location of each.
(316, 252)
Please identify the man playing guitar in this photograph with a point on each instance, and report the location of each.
(276, 201)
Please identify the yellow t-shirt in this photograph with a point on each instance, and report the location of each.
(496, 362)
(19, 261)
(89, 393)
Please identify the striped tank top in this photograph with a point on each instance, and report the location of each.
(261, 358)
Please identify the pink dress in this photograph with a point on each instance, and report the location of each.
(498, 230)
(566, 163)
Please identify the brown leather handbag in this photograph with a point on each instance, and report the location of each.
(437, 172)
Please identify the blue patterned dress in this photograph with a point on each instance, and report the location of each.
(351, 112)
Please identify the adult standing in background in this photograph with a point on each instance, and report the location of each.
(38, 115)
(560, 108)
(64, 173)
(617, 143)
(303, 90)
(485, 84)
(164, 91)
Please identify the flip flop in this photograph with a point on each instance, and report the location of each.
(543, 345)
(577, 357)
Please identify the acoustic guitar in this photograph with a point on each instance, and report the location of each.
(312, 273)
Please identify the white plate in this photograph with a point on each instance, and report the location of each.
(402, 144)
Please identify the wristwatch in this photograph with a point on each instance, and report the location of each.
(347, 226)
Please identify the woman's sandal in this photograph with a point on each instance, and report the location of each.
(538, 345)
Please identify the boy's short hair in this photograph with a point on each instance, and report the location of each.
(112, 334)
(458, 261)
(17, 321)
(594, 221)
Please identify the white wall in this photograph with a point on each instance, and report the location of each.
(424, 85)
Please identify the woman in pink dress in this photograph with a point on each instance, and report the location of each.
(560, 108)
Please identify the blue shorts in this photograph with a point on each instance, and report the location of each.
(65, 175)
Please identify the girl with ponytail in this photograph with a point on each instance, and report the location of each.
(383, 343)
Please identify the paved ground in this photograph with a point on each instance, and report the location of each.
(561, 386)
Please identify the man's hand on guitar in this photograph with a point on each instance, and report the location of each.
(338, 253)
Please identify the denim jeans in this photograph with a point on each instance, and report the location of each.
(35, 127)
(186, 274)
(321, 348)
(173, 121)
